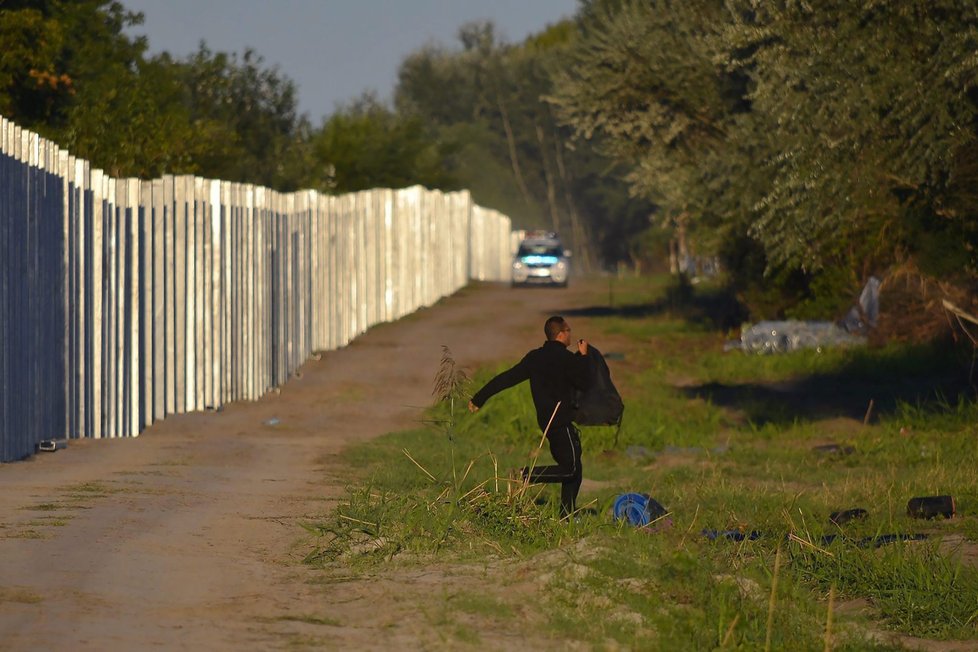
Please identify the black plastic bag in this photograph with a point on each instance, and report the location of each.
(600, 404)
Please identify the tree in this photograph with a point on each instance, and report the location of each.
(33, 86)
(58, 56)
(813, 144)
(643, 87)
(69, 71)
(366, 145)
(874, 109)
(512, 152)
(248, 117)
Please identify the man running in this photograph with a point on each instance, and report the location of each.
(554, 374)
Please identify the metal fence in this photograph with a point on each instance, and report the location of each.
(124, 300)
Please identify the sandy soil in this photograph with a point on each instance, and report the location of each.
(185, 537)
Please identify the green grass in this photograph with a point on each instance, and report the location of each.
(917, 589)
(726, 442)
(19, 595)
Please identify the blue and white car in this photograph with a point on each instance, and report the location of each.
(541, 259)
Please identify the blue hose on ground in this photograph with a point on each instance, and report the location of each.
(638, 509)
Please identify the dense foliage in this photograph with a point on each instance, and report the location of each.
(817, 143)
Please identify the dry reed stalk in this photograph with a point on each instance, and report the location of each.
(961, 317)
(481, 485)
(773, 600)
(492, 544)
(536, 454)
(808, 544)
(914, 306)
(356, 520)
(682, 541)
(454, 474)
(828, 620)
(440, 497)
(423, 470)
(656, 519)
(467, 469)
(730, 630)
(588, 504)
(450, 381)
(495, 470)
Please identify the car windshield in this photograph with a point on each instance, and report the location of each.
(539, 249)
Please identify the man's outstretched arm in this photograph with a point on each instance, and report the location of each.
(512, 376)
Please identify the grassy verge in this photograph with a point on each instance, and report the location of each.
(747, 558)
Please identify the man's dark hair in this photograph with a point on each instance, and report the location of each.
(554, 326)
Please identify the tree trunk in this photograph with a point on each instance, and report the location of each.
(549, 177)
(681, 244)
(581, 238)
(513, 158)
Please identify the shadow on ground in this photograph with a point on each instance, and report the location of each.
(714, 308)
(933, 377)
(835, 395)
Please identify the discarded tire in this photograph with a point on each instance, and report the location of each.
(844, 516)
(931, 507)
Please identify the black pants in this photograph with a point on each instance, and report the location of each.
(565, 447)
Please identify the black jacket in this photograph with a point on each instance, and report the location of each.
(554, 373)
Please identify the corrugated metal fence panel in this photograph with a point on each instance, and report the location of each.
(8, 447)
(346, 305)
(74, 299)
(212, 190)
(94, 297)
(144, 304)
(477, 238)
(358, 268)
(122, 301)
(490, 242)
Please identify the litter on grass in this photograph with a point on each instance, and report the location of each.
(638, 509)
(877, 541)
(931, 507)
(842, 517)
(731, 535)
(834, 449)
(769, 337)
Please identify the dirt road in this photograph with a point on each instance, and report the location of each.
(185, 537)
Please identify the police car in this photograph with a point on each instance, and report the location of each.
(541, 258)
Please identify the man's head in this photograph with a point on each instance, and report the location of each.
(557, 330)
